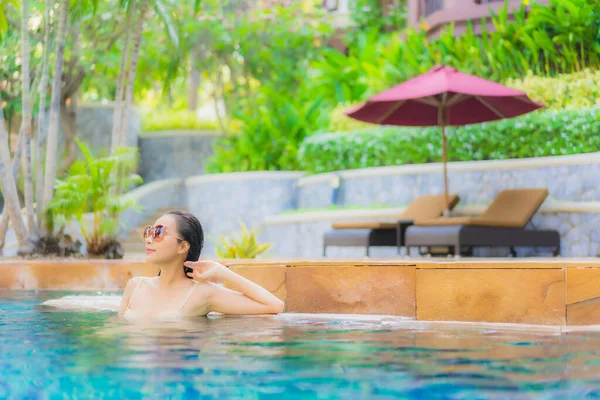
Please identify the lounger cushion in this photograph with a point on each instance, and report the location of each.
(510, 209)
(364, 225)
(429, 206)
(516, 207)
(470, 221)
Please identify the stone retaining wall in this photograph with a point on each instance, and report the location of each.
(572, 178)
(221, 201)
(150, 197)
(175, 154)
(258, 199)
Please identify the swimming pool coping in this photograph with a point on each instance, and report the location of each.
(547, 292)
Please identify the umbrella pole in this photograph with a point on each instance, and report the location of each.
(445, 161)
(442, 123)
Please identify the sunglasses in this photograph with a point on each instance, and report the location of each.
(157, 233)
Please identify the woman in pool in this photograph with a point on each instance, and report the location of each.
(185, 285)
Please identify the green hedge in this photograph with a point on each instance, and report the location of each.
(543, 133)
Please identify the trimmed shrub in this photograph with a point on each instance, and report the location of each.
(576, 90)
(543, 133)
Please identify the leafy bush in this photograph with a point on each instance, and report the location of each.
(340, 122)
(91, 187)
(545, 41)
(577, 90)
(245, 246)
(268, 140)
(158, 120)
(561, 37)
(544, 133)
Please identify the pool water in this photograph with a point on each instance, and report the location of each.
(48, 353)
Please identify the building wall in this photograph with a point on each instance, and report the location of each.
(458, 12)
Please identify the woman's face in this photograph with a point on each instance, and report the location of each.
(165, 250)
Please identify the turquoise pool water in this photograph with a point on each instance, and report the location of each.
(47, 353)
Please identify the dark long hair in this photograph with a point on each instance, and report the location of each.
(190, 229)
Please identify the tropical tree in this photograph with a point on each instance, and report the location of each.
(26, 115)
(41, 119)
(138, 11)
(52, 140)
(8, 185)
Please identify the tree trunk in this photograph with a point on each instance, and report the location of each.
(17, 156)
(131, 74)
(118, 111)
(15, 169)
(69, 100)
(26, 117)
(194, 84)
(9, 186)
(52, 146)
(68, 122)
(217, 84)
(41, 122)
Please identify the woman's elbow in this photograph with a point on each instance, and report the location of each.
(278, 306)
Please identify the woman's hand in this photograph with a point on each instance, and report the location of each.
(207, 271)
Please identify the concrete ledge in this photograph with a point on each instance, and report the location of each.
(391, 214)
(557, 292)
(150, 188)
(435, 168)
(177, 132)
(242, 176)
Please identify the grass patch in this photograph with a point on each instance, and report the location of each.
(167, 120)
(339, 208)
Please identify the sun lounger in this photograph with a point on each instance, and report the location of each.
(371, 234)
(501, 225)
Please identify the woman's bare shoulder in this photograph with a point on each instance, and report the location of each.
(200, 297)
(134, 282)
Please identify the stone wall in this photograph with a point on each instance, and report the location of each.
(152, 196)
(258, 199)
(221, 201)
(175, 154)
(94, 127)
(571, 178)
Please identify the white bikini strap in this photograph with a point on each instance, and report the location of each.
(189, 295)
(135, 290)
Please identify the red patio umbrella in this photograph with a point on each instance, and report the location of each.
(443, 97)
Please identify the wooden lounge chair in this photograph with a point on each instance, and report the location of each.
(370, 234)
(501, 225)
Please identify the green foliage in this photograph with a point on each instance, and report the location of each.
(157, 120)
(367, 15)
(90, 187)
(4, 4)
(544, 133)
(340, 122)
(545, 41)
(540, 43)
(268, 140)
(577, 90)
(244, 246)
(257, 61)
